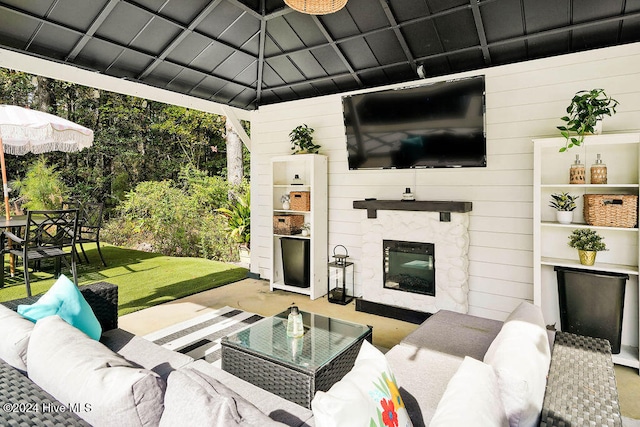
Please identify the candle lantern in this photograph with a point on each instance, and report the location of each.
(341, 278)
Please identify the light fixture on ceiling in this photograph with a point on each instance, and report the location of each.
(421, 71)
(316, 7)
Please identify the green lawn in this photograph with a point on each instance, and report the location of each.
(144, 279)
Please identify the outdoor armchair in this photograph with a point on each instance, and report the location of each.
(89, 225)
(44, 236)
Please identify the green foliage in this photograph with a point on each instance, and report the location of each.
(302, 140)
(586, 239)
(42, 187)
(175, 218)
(239, 219)
(563, 202)
(586, 108)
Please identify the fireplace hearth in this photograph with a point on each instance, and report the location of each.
(409, 267)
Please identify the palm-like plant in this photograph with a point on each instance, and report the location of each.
(239, 219)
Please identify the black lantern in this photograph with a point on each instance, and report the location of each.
(341, 278)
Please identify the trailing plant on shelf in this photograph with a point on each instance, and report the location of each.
(563, 202)
(587, 107)
(302, 140)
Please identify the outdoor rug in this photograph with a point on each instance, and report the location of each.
(200, 337)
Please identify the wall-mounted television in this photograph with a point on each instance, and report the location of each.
(439, 125)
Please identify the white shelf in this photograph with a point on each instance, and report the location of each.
(281, 286)
(628, 356)
(312, 170)
(591, 186)
(621, 154)
(598, 266)
(583, 225)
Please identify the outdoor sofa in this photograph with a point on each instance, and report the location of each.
(126, 380)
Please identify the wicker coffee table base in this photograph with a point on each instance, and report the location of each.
(288, 381)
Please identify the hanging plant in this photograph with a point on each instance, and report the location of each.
(587, 107)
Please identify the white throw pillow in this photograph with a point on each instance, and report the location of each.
(520, 356)
(367, 396)
(14, 338)
(472, 398)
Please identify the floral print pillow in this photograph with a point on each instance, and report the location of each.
(367, 396)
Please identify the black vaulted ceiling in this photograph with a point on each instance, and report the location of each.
(247, 53)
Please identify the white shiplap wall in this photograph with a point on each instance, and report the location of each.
(524, 101)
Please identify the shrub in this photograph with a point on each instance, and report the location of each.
(175, 218)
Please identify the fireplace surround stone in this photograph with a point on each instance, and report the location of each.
(451, 240)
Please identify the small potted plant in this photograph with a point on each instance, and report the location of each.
(584, 115)
(588, 243)
(564, 204)
(302, 140)
(284, 199)
(306, 229)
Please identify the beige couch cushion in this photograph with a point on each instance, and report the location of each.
(104, 388)
(15, 331)
(195, 399)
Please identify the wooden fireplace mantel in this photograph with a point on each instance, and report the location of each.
(373, 206)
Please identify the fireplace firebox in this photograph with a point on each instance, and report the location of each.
(409, 266)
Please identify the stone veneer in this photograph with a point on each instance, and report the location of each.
(451, 240)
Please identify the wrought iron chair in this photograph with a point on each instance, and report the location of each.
(89, 225)
(44, 236)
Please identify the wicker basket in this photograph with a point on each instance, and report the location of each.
(611, 210)
(300, 201)
(287, 224)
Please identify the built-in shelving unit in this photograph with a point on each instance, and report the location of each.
(620, 152)
(312, 170)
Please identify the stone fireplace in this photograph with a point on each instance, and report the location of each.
(448, 233)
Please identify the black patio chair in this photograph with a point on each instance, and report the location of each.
(44, 236)
(89, 225)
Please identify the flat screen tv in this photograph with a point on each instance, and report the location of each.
(439, 125)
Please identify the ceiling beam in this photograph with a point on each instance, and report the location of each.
(183, 35)
(396, 29)
(482, 35)
(336, 49)
(88, 35)
(263, 38)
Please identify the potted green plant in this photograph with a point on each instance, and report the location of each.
(306, 229)
(586, 110)
(588, 243)
(285, 199)
(302, 140)
(564, 204)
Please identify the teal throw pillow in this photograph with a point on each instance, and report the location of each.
(64, 299)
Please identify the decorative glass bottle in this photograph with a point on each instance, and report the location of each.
(598, 172)
(295, 328)
(576, 173)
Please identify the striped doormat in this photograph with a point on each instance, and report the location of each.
(200, 337)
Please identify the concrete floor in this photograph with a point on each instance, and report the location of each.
(254, 296)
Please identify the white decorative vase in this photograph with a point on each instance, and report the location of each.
(597, 129)
(564, 217)
(286, 206)
(305, 232)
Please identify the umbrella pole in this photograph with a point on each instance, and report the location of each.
(7, 211)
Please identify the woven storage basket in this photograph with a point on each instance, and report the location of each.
(611, 210)
(287, 224)
(300, 200)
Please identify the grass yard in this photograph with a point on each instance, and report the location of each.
(144, 279)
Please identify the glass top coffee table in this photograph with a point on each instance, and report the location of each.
(294, 368)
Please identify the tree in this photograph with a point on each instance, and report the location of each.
(234, 155)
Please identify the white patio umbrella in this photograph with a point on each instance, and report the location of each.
(25, 131)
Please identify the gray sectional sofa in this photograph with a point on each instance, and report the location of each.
(144, 384)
